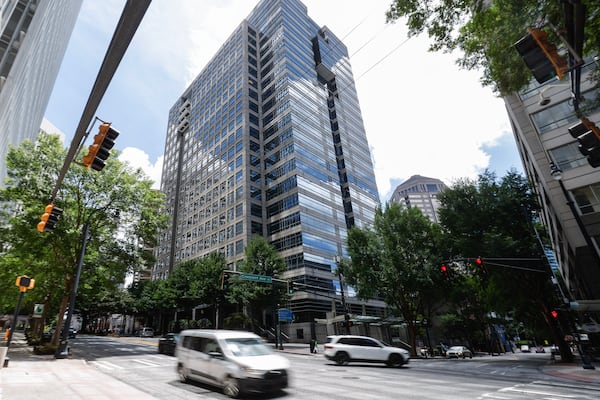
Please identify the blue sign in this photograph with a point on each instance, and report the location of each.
(285, 314)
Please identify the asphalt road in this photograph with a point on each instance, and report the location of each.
(136, 362)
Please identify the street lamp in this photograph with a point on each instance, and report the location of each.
(545, 100)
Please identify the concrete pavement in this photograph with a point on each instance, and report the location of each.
(32, 377)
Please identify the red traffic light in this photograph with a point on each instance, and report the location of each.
(479, 261)
(443, 268)
(554, 314)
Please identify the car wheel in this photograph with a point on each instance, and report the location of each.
(463, 356)
(342, 358)
(183, 377)
(395, 360)
(470, 355)
(231, 388)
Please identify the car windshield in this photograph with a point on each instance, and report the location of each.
(247, 347)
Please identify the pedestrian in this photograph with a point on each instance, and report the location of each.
(315, 346)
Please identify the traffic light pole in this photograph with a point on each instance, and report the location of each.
(62, 351)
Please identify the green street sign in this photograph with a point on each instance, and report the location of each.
(256, 278)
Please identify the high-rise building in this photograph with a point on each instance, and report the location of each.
(33, 39)
(566, 183)
(420, 192)
(269, 140)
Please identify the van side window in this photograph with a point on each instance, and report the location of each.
(211, 346)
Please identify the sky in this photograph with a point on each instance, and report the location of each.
(422, 114)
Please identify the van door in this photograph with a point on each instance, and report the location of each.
(218, 366)
(197, 360)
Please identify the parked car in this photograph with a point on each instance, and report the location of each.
(540, 349)
(145, 332)
(525, 348)
(238, 362)
(48, 334)
(458, 352)
(167, 344)
(350, 348)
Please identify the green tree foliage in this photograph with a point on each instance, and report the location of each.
(493, 218)
(123, 210)
(261, 259)
(396, 259)
(484, 32)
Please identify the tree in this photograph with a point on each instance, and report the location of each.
(485, 32)
(493, 218)
(396, 259)
(261, 259)
(122, 209)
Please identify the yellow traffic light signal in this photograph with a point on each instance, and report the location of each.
(49, 218)
(541, 56)
(24, 283)
(99, 151)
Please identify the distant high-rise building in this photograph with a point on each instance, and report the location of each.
(269, 140)
(33, 39)
(420, 192)
(567, 185)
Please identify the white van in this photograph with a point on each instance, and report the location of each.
(235, 361)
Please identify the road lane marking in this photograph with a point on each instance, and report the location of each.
(144, 362)
(536, 392)
(107, 365)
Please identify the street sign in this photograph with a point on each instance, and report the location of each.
(256, 278)
(38, 309)
(285, 314)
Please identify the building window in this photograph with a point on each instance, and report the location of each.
(554, 117)
(588, 198)
(568, 156)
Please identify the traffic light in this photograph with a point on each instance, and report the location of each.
(49, 218)
(480, 265)
(554, 314)
(588, 136)
(24, 283)
(291, 287)
(541, 56)
(444, 270)
(99, 151)
(225, 281)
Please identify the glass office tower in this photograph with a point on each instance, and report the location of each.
(33, 39)
(268, 140)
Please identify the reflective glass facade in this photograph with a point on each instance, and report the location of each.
(33, 39)
(269, 140)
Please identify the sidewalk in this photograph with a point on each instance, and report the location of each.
(33, 377)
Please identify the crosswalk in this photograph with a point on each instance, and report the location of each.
(542, 390)
(126, 363)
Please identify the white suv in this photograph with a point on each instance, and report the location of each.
(347, 348)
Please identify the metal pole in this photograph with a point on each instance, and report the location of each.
(62, 350)
(14, 321)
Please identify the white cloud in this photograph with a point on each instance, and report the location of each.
(139, 159)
